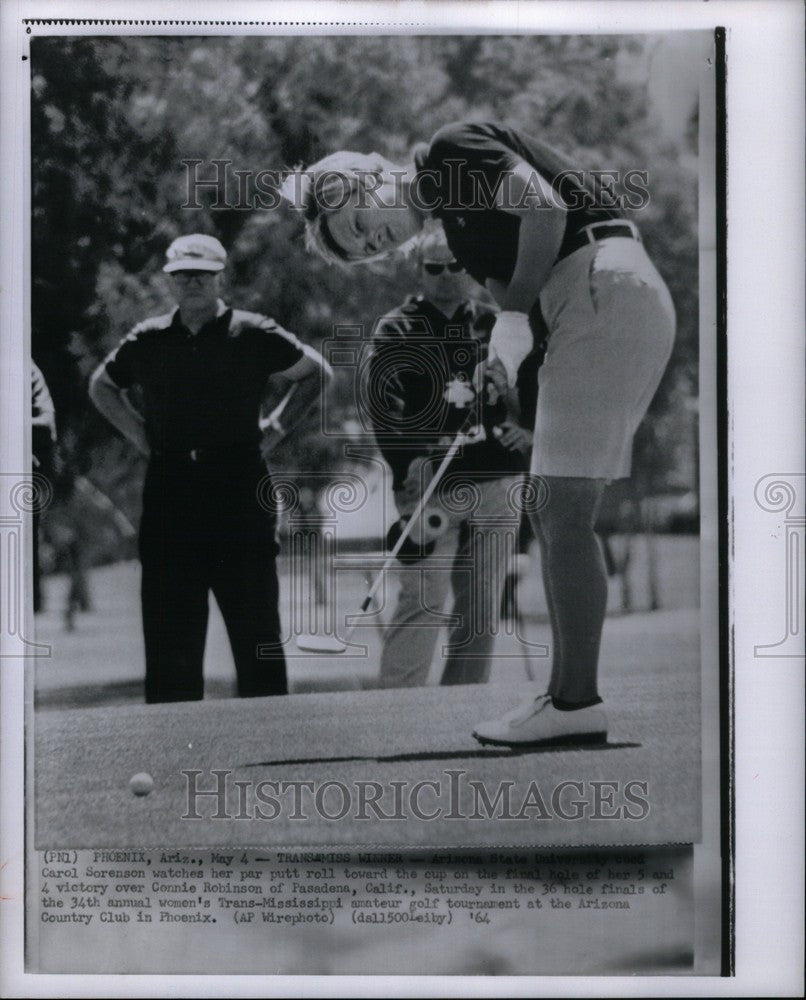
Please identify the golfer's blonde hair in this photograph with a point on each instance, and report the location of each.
(321, 190)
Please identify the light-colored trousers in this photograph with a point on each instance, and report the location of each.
(612, 326)
(472, 558)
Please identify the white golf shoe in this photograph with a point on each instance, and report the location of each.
(538, 723)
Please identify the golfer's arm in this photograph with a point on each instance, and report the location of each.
(113, 402)
(542, 227)
(497, 289)
(512, 405)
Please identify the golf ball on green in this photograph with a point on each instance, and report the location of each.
(142, 783)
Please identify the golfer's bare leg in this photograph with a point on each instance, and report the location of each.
(556, 651)
(575, 567)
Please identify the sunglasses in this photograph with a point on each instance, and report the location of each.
(454, 267)
(185, 277)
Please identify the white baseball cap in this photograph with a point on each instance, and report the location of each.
(196, 252)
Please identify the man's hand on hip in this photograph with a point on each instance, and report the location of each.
(272, 436)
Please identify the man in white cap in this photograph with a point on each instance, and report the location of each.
(202, 372)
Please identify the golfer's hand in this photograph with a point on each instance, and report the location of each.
(510, 341)
(514, 437)
(490, 381)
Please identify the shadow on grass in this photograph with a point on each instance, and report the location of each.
(118, 693)
(399, 758)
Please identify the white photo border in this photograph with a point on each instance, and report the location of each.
(765, 245)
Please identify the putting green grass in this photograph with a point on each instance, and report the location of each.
(335, 727)
(85, 758)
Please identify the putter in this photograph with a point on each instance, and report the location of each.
(334, 645)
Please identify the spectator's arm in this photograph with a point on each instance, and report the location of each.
(43, 420)
(542, 225)
(308, 378)
(114, 403)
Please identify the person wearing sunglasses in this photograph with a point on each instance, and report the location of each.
(420, 394)
(532, 226)
(434, 268)
(186, 388)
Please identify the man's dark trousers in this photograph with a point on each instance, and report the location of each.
(203, 529)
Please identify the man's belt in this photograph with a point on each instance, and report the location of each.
(601, 231)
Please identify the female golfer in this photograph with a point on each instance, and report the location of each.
(534, 229)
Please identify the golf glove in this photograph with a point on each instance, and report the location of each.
(510, 342)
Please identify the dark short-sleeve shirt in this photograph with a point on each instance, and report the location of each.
(202, 390)
(466, 162)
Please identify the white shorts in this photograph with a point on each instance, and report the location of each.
(611, 323)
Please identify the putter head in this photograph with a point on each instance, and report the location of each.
(320, 644)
